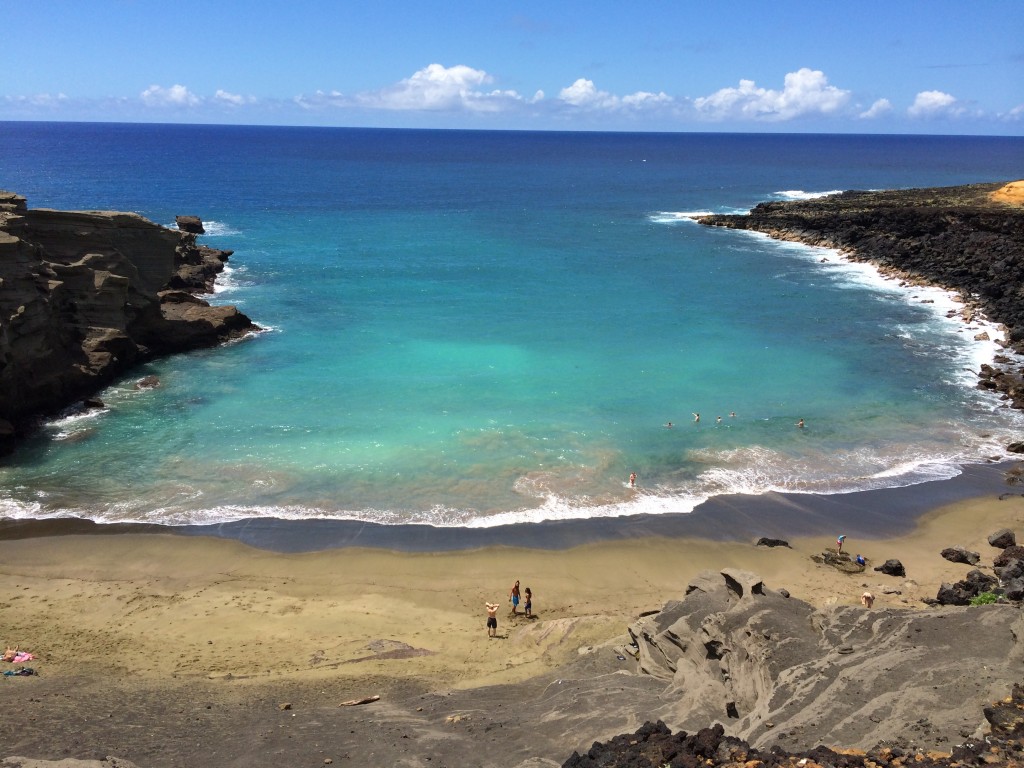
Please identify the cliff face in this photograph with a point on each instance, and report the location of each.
(86, 295)
(777, 671)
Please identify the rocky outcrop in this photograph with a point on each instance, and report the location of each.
(961, 238)
(773, 670)
(87, 295)
(654, 744)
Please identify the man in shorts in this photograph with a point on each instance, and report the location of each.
(492, 619)
(513, 597)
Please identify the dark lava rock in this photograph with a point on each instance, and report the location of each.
(655, 746)
(962, 592)
(892, 567)
(1002, 539)
(764, 541)
(1012, 570)
(1010, 553)
(961, 555)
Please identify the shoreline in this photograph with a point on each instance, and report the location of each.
(173, 650)
(871, 514)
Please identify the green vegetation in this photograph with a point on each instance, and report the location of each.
(985, 598)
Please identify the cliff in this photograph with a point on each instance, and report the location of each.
(87, 295)
(778, 679)
(969, 239)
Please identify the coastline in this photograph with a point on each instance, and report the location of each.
(174, 650)
(871, 514)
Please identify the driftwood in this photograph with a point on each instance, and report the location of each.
(355, 702)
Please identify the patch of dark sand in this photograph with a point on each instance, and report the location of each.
(231, 723)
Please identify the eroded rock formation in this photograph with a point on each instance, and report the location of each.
(86, 295)
(775, 670)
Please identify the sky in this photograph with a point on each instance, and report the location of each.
(819, 66)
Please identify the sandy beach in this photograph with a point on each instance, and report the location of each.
(172, 632)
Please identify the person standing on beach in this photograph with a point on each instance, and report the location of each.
(839, 544)
(528, 607)
(513, 597)
(492, 619)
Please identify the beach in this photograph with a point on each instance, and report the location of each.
(172, 650)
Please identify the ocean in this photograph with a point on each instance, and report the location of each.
(469, 328)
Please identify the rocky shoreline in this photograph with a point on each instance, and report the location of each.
(88, 295)
(968, 239)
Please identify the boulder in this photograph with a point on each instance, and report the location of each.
(892, 567)
(764, 541)
(1013, 589)
(1014, 569)
(191, 224)
(961, 555)
(1002, 539)
(1010, 553)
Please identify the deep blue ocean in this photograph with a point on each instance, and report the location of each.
(472, 328)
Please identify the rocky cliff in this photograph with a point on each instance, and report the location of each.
(87, 295)
(969, 239)
(778, 678)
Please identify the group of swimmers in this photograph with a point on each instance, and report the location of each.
(514, 597)
(696, 420)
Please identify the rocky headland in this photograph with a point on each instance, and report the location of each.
(85, 296)
(968, 239)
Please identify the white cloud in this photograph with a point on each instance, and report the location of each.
(175, 96)
(879, 108)
(440, 88)
(233, 99)
(934, 104)
(642, 99)
(805, 92)
(585, 95)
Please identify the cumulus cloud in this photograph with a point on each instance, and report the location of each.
(175, 96)
(931, 104)
(879, 108)
(805, 92)
(440, 88)
(585, 95)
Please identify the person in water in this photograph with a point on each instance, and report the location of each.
(632, 479)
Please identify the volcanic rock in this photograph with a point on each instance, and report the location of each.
(81, 304)
(1002, 539)
(961, 555)
(892, 567)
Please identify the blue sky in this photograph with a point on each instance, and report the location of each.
(899, 66)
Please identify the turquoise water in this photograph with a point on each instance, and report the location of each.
(478, 328)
